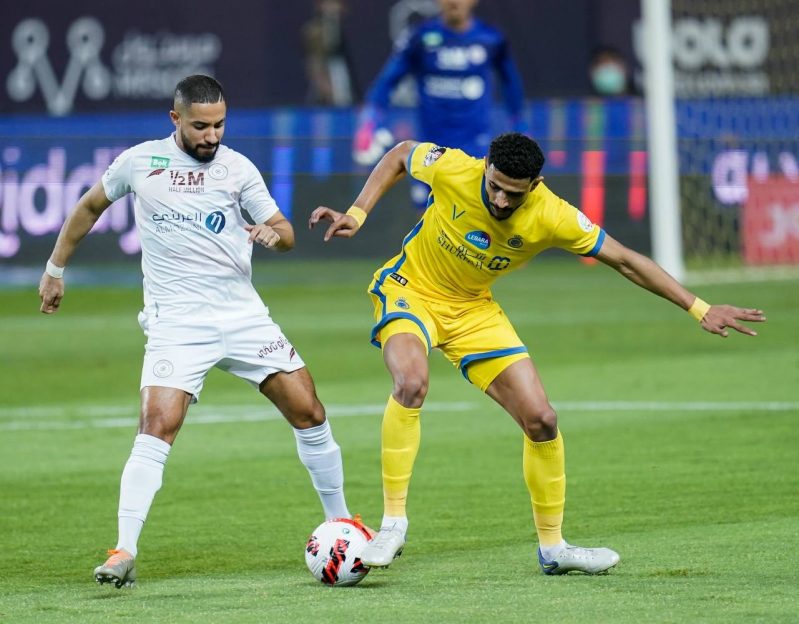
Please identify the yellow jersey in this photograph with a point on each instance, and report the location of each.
(457, 249)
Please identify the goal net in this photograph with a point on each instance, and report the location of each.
(737, 111)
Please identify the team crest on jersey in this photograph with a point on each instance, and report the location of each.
(159, 162)
(584, 222)
(217, 171)
(433, 155)
(402, 303)
(515, 241)
(432, 39)
(480, 239)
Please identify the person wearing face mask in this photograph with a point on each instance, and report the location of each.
(609, 73)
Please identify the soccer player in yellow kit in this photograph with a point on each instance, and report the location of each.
(485, 218)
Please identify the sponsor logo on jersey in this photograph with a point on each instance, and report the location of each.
(515, 241)
(433, 155)
(156, 172)
(584, 222)
(398, 278)
(215, 222)
(402, 303)
(479, 239)
(186, 181)
(159, 162)
(454, 87)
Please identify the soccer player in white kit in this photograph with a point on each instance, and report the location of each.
(200, 307)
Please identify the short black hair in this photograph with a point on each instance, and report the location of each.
(199, 89)
(516, 155)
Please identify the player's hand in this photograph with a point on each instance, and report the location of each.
(51, 291)
(263, 235)
(341, 224)
(721, 317)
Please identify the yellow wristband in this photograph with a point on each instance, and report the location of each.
(359, 214)
(698, 309)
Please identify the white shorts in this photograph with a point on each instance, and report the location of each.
(179, 354)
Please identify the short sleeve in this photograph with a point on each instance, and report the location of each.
(425, 161)
(575, 232)
(255, 197)
(118, 179)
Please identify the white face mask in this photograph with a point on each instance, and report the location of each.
(608, 79)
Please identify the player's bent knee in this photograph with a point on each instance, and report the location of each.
(540, 424)
(410, 389)
(312, 416)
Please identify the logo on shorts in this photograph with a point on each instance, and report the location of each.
(398, 278)
(401, 303)
(215, 222)
(515, 241)
(479, 239)
(275, 345)
(163, 368)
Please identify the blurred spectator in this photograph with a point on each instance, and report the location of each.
(452, 59)
(327, 62)
(610, 73)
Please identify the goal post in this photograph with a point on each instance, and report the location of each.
(662, 137)
(722, 107)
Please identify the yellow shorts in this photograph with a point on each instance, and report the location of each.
(475, 336)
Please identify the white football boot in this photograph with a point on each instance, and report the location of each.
(384, 547)
(576, 559)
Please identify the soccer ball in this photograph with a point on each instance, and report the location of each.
(333, 551)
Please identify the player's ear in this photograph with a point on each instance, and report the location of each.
(175, 117)
(485, 164)
(536, 182)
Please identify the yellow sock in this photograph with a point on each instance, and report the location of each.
(400, 443)
(544, 466)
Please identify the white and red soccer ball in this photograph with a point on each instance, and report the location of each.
(333, 551)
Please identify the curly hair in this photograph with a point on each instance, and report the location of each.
(516, 155)
(199, 89)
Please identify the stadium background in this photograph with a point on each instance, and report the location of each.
(83, 81)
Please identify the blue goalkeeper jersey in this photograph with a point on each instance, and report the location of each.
(454, 74)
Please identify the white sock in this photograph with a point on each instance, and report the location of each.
(320, 454)
(547, 552)
(401, 522)
(141, 479)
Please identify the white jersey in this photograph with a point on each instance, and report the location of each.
(196, 258)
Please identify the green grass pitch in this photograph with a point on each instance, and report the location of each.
(682, 454)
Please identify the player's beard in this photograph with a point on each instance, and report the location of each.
(207, 155)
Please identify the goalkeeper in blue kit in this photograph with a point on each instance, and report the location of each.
(453, 59)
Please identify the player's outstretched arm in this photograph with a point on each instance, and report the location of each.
(387, 172)
(88, 209)
(648, 274)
